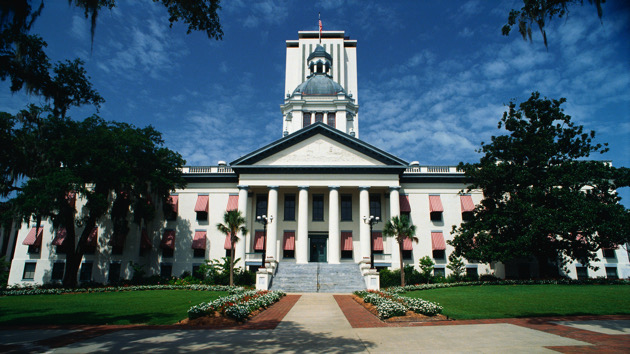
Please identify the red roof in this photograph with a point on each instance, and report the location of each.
(377, 236)
(168, 239)
(199, 241)
(228, 242)
(60, 237)
(259, 241)
(232, 202)
(467, 203)
(289, 241)
(346, 241)
(435, 203)
(202, 203)
(34, 239)
(405, 207)
(407, 244)
(437, 241)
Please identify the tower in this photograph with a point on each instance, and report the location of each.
(321, 82)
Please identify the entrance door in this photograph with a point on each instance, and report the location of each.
(318, 249)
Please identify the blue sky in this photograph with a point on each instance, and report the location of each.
(434, 76)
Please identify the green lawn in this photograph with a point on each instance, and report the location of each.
(130, 307)
(499, 301)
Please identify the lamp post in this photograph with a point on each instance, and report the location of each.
(371, 220)
(264, 220)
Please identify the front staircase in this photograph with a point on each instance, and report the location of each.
(318, 277)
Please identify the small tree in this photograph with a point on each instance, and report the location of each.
(426, 267)
(233, 223)
(402, 228)
(456, 265)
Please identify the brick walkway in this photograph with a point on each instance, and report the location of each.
(359, 317)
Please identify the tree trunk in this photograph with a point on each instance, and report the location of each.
(402, 267)
(232, 262)
(75, 254)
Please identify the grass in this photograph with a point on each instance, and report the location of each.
(155, 307)
(501, 301)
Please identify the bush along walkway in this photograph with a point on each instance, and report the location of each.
(391, 304)
(237, 306)
(107, 289)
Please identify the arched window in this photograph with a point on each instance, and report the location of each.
(319, 117)
(306, 119)
(320, 67)
(331, 120)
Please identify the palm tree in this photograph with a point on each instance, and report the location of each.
(233, 223)
(402, 228)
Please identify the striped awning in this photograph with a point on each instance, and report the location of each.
(232, 203)
(145, 242)
(34, 238)
(228, 242)
(435, 204)
(289, 241)
(60, 237)
(199, 241)
(346, 241)
(437, 241)
(467, 203)
(405, 207)
(168, 239)
(92, 237)
(259, 240)
(173, 200)
(202, 203)
(377, 236)
(407, 244)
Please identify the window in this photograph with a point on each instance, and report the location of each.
(435, 207)
(261, 205)
(331, 120)
(199, 253)
(34, 249)
(439, 272)
(29, 271)
(407, 254)
(346, 207)
(289, 207)
(346, 244)
(166, 269)
(306, 119)
(288, 244)
(471, 272)
(582, 272)
(467, 216)
(318, 207)
(85, 274)
(436, 216)
(201, 207)
(117, 250)
(608, 252)
(611, 273)
(167, 252)
(405, 214)
(439, 254)
(57, 271)
(202, 216)
(114, 272)
(375, 205)
(319, 117)
(171, 208)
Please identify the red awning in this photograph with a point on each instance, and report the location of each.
(60, 237)
(289, 241)
(199, 241)
(202, 203)
(232, 202)
(145, 242)
(33, 238)
(71, 197)
(435, 203)
(467, 203)
(377, 236)
(405, 207)
(407, 244)
(168, 239)
(228, 242)
(437, 241)
(92, 237)
(346, 241)
(259, 241)
(174, 202)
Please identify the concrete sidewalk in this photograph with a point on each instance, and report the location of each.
(319, 323)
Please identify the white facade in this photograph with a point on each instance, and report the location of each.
(318, 182)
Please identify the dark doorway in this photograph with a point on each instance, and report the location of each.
(318, 248)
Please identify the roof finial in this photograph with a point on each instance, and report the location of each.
(320, 27)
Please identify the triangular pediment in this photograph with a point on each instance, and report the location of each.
(318, 146)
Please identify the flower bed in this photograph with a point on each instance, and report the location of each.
(58, 291)
(237, 306)
(391, 304)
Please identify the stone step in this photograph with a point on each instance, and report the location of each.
(333, 278)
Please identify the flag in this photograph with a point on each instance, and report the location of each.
(320, 27)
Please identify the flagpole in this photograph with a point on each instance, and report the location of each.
(319, 14)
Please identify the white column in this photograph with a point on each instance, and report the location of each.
(334, 236)
(364, 229)
(394, 210)
(301, 242)
(272, 227)
(239, 252)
